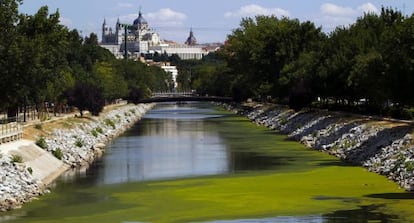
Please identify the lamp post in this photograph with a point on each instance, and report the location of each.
(126, 28)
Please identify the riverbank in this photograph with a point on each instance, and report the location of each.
(384, 147)
(26, 169)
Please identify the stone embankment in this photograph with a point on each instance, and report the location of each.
(383, 147)
(26, 169)
(81, 145)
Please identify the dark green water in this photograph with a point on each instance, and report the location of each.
(163, 168)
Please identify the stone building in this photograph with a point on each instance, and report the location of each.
(141, 39)
(139, 36)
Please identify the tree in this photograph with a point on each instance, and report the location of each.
(258, 51)
(9, 54)
(135, 95)
(86, 96)
(44, 73)
(114, 85)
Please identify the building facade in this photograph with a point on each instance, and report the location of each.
(141, 39)
(139, 36)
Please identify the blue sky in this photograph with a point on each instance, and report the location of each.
(211, 20)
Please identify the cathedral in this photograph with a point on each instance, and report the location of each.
(141, 39)
(139, 36)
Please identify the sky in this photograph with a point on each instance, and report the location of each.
(211, 20)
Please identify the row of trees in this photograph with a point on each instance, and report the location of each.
(42, 61)
(368, 65)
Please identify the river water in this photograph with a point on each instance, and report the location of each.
(194, 163)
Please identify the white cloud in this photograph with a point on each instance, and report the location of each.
(166, 17)
(253, 10)
(368, 8)
(66, 21)
(334, 15)
(336, 10)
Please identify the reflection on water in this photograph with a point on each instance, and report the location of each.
(310, 219)
(364, 214)
(169, 142)
(172, 141)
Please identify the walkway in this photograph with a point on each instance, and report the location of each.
(182, 96)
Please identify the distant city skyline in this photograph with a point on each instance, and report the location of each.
(210, 20)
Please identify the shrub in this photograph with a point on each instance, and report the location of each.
(58, 153)
(30, 170)
(79, 143)
(94, 133)
(99, 130)
(16, 159)
(41, 142)
(38, 126)
(409, 165)
(109, 122)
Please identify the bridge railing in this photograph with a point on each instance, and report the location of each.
(173, 94)
(10, 132)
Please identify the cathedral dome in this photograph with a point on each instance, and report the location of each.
(140, 20)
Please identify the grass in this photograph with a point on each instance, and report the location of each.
(94, 133)
(58, 153)
(109, 122)
(16, 159)
(79, 142)
(41, 142)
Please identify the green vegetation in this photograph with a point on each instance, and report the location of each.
(99, 130)
(365, 67)
(109, 122)
(38, 126)
(79, 142)
(16, 159)
(41, 142)
(94, 133)
(30, 170)
(42, 60)
(58, 153)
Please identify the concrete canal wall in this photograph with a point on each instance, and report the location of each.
(384, 147)
(26, 169)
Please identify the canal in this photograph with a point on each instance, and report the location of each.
(197, 163)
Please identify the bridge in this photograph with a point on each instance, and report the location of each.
(182, 96)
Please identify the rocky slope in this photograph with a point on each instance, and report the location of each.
(383, 147)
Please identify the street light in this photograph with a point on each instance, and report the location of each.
(126, 28)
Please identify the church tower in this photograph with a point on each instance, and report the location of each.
(118, 33)
(191, 40)
(105, 31)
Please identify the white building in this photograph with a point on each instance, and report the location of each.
(139, 36)
(141, 39)
(185, 52)
(173, 71)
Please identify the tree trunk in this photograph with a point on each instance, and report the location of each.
(12, 113)
(24, 113)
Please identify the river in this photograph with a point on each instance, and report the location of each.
(196, 163)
